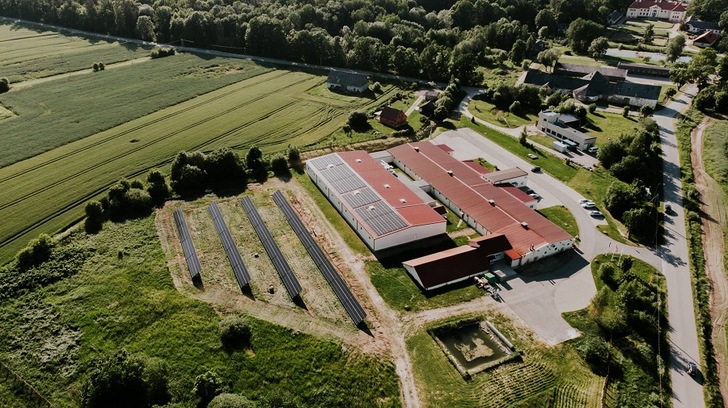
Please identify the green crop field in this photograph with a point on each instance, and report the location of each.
(29, 53)
(271, 110)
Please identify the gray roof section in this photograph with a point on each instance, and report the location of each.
(501, 176)
(611, 73)
(539, 78)
(704, 25)
(342, 78)
(635, 90)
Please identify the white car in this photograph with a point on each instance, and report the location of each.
(536, 196)
(589, 205)
(532, 156)
(584, 201)
(596, 213)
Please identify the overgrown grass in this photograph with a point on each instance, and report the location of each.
(562, 217)
(701, 284)
(715, 151)
(607, 126)
(544, 376)
(124, 298)
(271, 110)
(636, 356)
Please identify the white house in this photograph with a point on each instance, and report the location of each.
(661, 9)
(347, 81)
(550, 124)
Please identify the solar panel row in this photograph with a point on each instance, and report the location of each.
(321, 163)
(343, 179)
(231, 250)
(193, 263)
(359, 198)
(347, 299)
(274, 253)
(381, 218)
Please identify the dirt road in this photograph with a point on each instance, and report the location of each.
(715, 218)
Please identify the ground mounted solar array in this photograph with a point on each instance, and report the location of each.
(347, 299)
(187, 247)
(231, 250)
(274, 253)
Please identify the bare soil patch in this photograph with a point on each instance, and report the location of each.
(714, 221)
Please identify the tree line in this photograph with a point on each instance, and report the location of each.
(421, 38)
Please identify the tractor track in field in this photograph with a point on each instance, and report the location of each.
(127, 132)
(153, 142)
(140, 147)
(29, 37)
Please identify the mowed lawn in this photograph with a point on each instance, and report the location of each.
(271, 110)
(31, 53)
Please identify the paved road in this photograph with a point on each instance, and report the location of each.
(674, 255)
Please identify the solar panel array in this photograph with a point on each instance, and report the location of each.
(193, 263)
(231, 250)
(274, 253)
(381, 218)
(358, 198)
(343, 179)
(347, 299)
(323, 162)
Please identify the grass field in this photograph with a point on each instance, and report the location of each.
(124, 296)
(545, 377)
(489, 113)
(715, 151)
(270, 110)
(562, 217)
(31, 53)
(605, 126)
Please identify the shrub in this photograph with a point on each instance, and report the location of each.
(158, 188)
(36, 252)
(294, 156)
(234, 332)
(592, 108)
(94, 217)
(625, 111)
(358, 120)
(95, 66)
(515, 108)
(208, 385)
(231, 401)
(101, 66)
(4, 85)
(161, 52)
(646, 111)
(279, 165)
(595, 351)
(376, 87)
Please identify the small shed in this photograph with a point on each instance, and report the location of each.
(392, 117)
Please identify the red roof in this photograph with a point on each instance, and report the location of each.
(476, 166)
(491, 244)
(662, 4)
(707, 37)
(437, 269)
(445, 148)
(467, 189)
(398, 196)
(517, 193)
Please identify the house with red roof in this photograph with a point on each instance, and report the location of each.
(707, 39)
(661, 9)
(381, 209)
(392, 117)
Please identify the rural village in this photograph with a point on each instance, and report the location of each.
(383, 203)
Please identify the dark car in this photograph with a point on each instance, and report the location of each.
(692, 369)
(536, 169)
(668, 209)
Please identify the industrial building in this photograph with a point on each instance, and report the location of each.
(382, 210)
(551, 124)
(486, 208)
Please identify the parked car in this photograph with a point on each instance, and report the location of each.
(532, 156)
(536, 169)
(536, 196)
(589, 206)
(692, 369)
(596, 213)
(593, 150)
(668, 209)
(584, 201)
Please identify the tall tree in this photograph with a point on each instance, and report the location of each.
(581, 33)
(674, 47)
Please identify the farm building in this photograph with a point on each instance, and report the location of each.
(550, 123)
(379, 207)
(436, 270)
(579, 71)
(662, 9)
(707, 39)
(392, 117)
(695, 26)
(347, 81)
(645, 69)
(483, 206)
(513, 176)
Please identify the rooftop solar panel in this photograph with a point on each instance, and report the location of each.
(323, 162)
(228, 244)
(358, 198)
(381, 218)
(347, 299)
(343, 179)
(193, 263)
(274, 253)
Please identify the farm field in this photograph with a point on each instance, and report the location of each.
(272, 110)
(545, 377)
(31, 53)
(68, 108)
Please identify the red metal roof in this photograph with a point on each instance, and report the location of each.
(519, 194)
(470, 192)
(476, 166)
(409, 206)
(445, 148)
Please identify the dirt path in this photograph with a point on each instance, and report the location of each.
(714, 220)
(33, 82)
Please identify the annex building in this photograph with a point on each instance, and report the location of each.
(487, 208)
(559, 126)
(382, 210)
(663, 9)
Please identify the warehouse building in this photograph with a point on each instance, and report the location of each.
(485, 207)
(379, 207)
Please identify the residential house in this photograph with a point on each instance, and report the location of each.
(392, 117)
(694, 26)
(347, 81)
(707, 39)
(660, 9)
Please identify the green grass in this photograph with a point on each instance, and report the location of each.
(715, 151)
(453, 220)
(562, 217)
(130, 302)
(402, 293)
(489, 113)
(546, 376)
(605, 126)
(30, 53)
(633, 352)
(271, 110)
